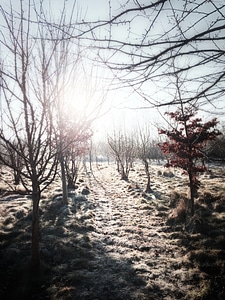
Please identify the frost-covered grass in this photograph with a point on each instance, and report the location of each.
(116, 241)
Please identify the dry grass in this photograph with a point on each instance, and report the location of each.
(118, 242)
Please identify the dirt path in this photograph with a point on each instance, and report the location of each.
(115, 243)
(134, 255)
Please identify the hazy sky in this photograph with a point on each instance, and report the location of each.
(124, 101)
(122, 107)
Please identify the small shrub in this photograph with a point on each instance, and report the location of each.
(219, 206)
(174, 199)
(168, 174)
(159, 173)
(207, 198)
(182, 209)
(198, 225)
(179, 213)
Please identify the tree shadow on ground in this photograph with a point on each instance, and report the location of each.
(15, 249)
(73, 265)
(204, 240)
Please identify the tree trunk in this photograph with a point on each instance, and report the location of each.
(192, 193)
(118, 165)
(64, 183)
(148, 186)
(90, 163)
(124, 175)
(16, 177)
(35, 254)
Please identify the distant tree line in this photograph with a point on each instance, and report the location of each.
(189, 142)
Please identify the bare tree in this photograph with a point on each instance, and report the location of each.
(216, 150)
(102, 151)
(122, 147)
(30, 82)
(14, 159)
(76, 145)
(72, 140)
(144, 144)
(147, 43)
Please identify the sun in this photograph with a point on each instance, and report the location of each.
(83, 102)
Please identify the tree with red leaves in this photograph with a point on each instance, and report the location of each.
(186, 143)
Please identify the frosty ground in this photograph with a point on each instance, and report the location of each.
(114, 241)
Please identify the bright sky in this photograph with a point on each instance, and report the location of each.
(121, 107)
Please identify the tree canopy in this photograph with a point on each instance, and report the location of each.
(145, 45)
(186, 144)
